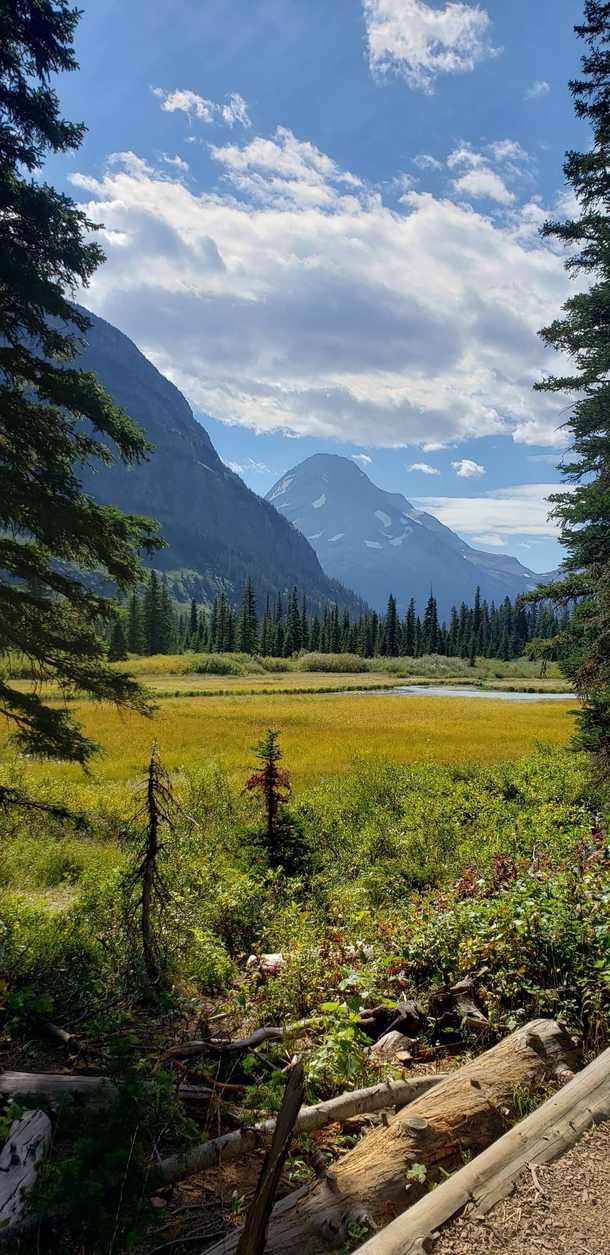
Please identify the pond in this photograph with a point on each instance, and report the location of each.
(446, 690)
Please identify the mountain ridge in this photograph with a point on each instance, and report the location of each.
(379, 543)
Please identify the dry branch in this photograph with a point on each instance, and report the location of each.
(28, 1139)
(221, 1149)
(218, 1045)
(541, 1137)
(468, 1110)
(254, 1233)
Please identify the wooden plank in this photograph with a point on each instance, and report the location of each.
(542, 1136)
(254, 1233)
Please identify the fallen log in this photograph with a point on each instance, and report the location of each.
(542, 1136)
(217, 1045)
(386, 1171)
(241, 1141)
(51, 1088)
(28, 1139)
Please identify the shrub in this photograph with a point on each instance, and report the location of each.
(219, 664)
(332, 662)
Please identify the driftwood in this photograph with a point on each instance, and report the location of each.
(253, 1237)
(468, 1110)
(541, 1137)
(240, 1142)
(28, 1139)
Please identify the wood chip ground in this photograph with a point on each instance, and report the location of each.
(563, 1207)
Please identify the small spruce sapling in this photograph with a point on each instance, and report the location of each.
(282, 838)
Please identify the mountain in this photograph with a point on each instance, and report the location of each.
(219, 532)
(378, 543)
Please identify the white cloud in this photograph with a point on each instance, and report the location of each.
(177, 162)
(551, 458)
(185, 101)
(424, 161)
(424, 467)
(419, 42)
(485, 185)
(490, 538)
(362, 458)
(292, 298)
(519, 511)
(467, 469)
(537, 89)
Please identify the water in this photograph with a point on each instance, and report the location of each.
(442, 690)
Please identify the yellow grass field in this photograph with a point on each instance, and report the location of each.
(321, 734)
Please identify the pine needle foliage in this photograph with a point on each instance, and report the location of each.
(54, 417)
(583, 334)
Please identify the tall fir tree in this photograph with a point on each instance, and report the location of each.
(430, 629)
(390, 642)
(247, 629)
(136, 641)
(582, 334)
(54, 417)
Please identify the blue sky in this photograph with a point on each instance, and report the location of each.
(321, 221)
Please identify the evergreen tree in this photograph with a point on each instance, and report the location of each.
(117, 649)
(409, 633)
(136, 642)
(584, 512)
(304, 624)
(193, 622)
(267, 634)
(389, 645)
(292, 638)
(152, 615)
(54, 417)
(430, 630)
(314, 634)
(166, 640)
(247, 631)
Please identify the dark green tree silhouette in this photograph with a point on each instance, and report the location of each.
(247, 628)
(54, 417)
(117, 649)
(584, 512)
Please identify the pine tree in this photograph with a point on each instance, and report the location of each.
(584, 513)
(409, 633)
(267, 635)
(314, 634)
(117, 649)
(304, 624)
(292, 639)
(54, 417)
(247, 630)
(136, 643)
(152, 615)
(389, 645)
(193, 623)
(166, 638)
(430, 631)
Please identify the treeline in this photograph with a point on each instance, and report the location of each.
(151, 624)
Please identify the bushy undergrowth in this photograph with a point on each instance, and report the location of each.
(443, 870)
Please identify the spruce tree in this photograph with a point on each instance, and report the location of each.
(247, 629)
(117, 649)
(292, 639)
(430, 630)
(54, 417)
(582, 334)
(135, 625)
(389, 646)
(167, 621)
(152, 615)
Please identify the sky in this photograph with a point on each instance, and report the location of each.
(321, 221)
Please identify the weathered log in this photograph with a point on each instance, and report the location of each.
(254, 1233)
(52, 1088)
(217, 1045)
(28, 1139)
(468, 1110)
(542, 1136)
(240, 1142)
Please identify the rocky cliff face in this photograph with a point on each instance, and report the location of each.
(216, 527)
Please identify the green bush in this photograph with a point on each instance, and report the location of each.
(332, 662)
(219, 664)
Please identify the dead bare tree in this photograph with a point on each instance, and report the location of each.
(157, 813)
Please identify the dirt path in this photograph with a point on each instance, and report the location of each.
(559, 1207)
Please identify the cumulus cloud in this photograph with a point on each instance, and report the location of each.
(362, 458)
(480, 180)
(424, 467)
(490, 538)
(185, 101)
(467, 469)
(518, 511)
(419, 42)
(537, 89)
(485, 185)
(291, 298)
